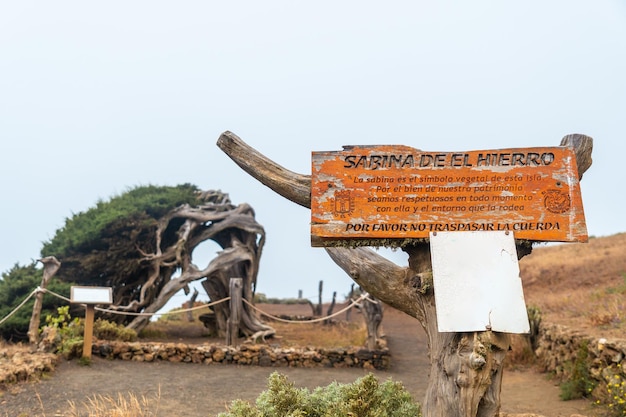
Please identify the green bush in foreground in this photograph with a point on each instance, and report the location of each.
(365, 397)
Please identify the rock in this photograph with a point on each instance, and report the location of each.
(219, 355)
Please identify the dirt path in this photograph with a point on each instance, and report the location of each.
(191, 390)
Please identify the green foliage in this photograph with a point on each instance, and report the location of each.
(145, 204)
(151, 333)
(84, 361)
(580, 384)
(15, 286)
(106, 330)
(615, 393)
(365, 397)
(62, 320)
(64, 333)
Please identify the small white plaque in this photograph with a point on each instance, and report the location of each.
(477, 283)
(91, 295)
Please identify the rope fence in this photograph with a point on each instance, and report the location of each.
(352, 304)
(319, 319)
(16, 309)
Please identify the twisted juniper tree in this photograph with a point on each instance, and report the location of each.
(141, 244)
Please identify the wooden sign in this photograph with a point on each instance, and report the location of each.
(91, 295)
(398, 192)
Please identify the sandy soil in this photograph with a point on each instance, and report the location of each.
(188, 390)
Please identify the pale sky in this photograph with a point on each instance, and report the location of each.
(96, 98)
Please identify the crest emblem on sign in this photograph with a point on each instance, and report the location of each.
(343, 203)
(556, 201)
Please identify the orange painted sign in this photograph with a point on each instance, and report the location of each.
(398, 192)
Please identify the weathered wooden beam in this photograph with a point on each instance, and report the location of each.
(293, 186)
(583, 146)
(236, 305)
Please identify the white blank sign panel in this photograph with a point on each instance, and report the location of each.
(91, 295)
(477, 283)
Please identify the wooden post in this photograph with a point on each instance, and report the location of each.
(349, 311)
(232, 330)
(331, 307)
(318, 312)
(90, 296)
(50, 267)
(373, 314)
(190, 304)
(88, 334)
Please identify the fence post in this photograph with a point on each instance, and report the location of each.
(318, 311)
(50, 267)
(232, 330)
(190, 304)
(88, 332)
(373, 313)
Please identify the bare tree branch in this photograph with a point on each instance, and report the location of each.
(294, 187)
(583, 145)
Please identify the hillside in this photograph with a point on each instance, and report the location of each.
(581, 285)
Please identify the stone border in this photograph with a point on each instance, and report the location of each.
(558, 348)
(245, 354)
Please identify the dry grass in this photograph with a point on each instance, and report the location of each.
(582, 285)
(521, 355)
(18, 364)
(342, 334)
(120, 406)
(174, 329)
(106, 406)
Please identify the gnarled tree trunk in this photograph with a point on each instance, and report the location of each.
(234, 228)
(466, 368)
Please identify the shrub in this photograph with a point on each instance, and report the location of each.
(106, 330)
(365, 397)
(615, 394)
(579, 384)
(62, 334)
